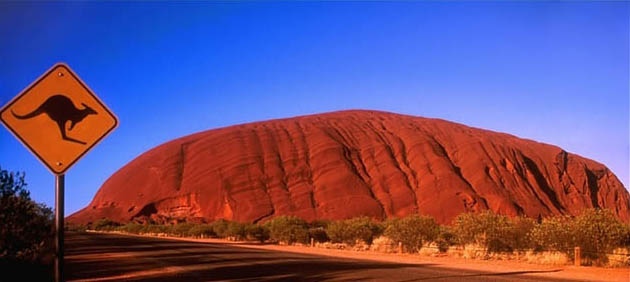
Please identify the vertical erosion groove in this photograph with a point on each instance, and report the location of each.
(388, 148)
(542, 182)
(349, 161)
(307, 169)
(593, 188)
(260, 149)
(456, 169)
(180, 165)
(405, 162)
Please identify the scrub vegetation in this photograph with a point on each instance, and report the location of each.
(26, 230)
(602, 238)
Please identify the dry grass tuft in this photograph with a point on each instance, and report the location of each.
(619, 258)
(549, 258)
(384, 245)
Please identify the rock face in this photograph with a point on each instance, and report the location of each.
(350, 163)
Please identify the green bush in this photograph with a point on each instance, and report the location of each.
(257, 232)
(350, 230)
(155, 229)
(445, 239)
(202, 230)
(26, 227)
(76, 227)
(105, 224)
(236, 230)
(492, 231)
(320, 223)
(625, 237)
(133, 228)
(412, 231)
(519, 233)
(318, 234)
(220, 228)
(288, 229)
(597, 232)
(182, 229)
(554, 233)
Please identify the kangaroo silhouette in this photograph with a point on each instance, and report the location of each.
(60, 109)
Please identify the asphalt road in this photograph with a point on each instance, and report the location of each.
(108, 257)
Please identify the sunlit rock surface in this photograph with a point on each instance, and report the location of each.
(350, 163)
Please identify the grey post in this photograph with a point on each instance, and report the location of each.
(59, 206)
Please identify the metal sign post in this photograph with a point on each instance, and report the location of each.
(59, 226)
(59, 119)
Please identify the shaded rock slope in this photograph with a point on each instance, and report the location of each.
(350, 163)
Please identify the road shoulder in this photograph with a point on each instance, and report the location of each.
(496, 266)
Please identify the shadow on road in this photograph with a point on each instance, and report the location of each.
(106, 257)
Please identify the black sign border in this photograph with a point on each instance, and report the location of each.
(36, 82)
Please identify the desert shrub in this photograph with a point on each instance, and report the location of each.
(181, 229)
(133, 228)
(624, 242)
(445, 239)
(257, 232)
(350, 230)
(336, 232)
(26, 227)
(554, 234)
(598, 232)
(236, 230)
(76, 227)
(492, 231)
(104, 224)
(518, 234)
(317, 230)
(318, 234)
(320, 223)
(288, 229)
(220, 227)
(200, 230)
(155, 228)
(412, 231)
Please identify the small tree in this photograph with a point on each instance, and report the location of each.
(132, 227)
(486, 229)
(257, 232)
(412, 231)
(288, 229)
(317, 230)
(597, 232)
(519, 233)
(25, 225)
(155, 228)
(445, 238)
(554, 233)
(200, 230)
(350, 230)
(625, 237)
(236, 230)
(220, 227)
(182, 229)
(104, 224)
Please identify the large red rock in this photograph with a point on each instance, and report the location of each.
(350, 163)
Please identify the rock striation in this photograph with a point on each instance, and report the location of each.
(344, 164)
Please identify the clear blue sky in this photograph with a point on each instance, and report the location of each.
(552, 72)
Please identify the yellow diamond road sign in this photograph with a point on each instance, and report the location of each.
(58, 118)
